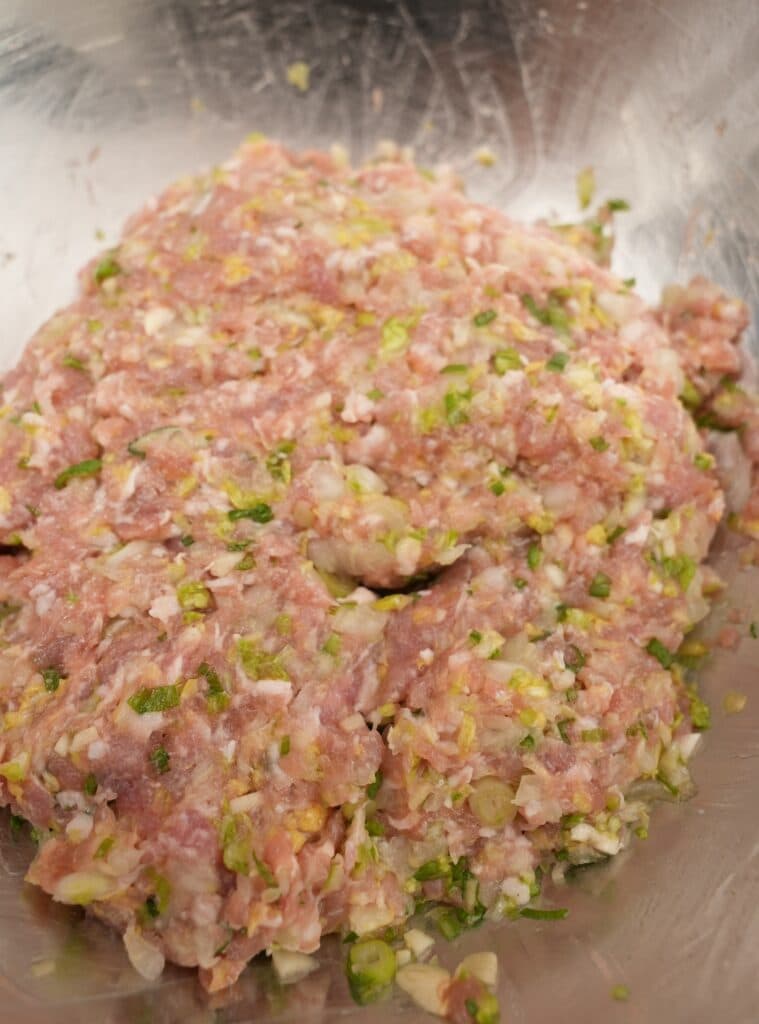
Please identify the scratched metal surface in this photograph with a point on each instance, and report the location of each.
(104, 101)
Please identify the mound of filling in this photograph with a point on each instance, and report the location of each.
(350, 536)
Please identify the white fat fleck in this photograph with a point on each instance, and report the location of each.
(191, 337)
(274, 688)
(155, 318)
(224, 564)
(323, 400)
(556, 575)
(97, 750)
(352, 723)
(601, 841)
(44, 598)
(70, 800)
(62, 745)
(639, 535)
(407, 555)
(357, 409)
(130, 484)
(245, 803)
(83, 738)
(516, 890)
(164, 607)
(228, 750)
(79, 827)
(426, 656)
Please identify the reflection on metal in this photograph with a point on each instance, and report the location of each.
(104, 101)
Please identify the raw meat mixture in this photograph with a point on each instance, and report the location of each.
(349, 533)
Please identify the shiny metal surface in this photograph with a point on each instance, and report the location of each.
(102, 102)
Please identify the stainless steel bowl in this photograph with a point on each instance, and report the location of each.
(102, 102)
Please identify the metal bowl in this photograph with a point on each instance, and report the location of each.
(102, 102)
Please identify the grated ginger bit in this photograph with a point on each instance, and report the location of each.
(299, 75)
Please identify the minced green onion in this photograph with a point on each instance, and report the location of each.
(528, 743)
(217, 697)
(374, 786)
(629, 282)
(497, 488)
(284, 746)
(533, 914)
(474, 637)
(562, 726)
(246, 562)
(431, 869)
(574, 659)
(593, 735)
(703, 460)
(104, 848)
(615, 534)
(486, 1011)
(374, 827)
(395, 337)
(259, 513)
(193, 595)
(700, 713)
(534, 556)
(89, 467)
(73, 362)
(599, 443)
(90, 785)
(16, 825)
(160, 759)
(108, 267)
(156, 698)
(600, 585)
(186, 540)
(370, 968)
(659, 651)
(487, 316)
(455, 368)
(520, 582)
(753, 630)
(621, 993)
(51, 678)
(455, 403)
(506, 359)
(618, 205)
(557, 362)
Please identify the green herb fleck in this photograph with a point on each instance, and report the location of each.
(186, 540)
(621, 993)
(108, 267)
(600, 585)
(487, 316)
(259, 513)
(574, 659)
(593, 735)
(151, 699)
(90, 785)
(659, 651)
(534, 556)
(557, 362)
(284, 746)
(533, 914)
(217, 697)
(104, 848)
(506, 359)
(193, 596)
(374, 786)
(474, 637)
(618, 205)
(455, 368)
(51, 678)
(599, 443)
(90, 467)
(73, 362)
(160, 759)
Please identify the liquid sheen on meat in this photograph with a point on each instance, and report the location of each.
(350, 531)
